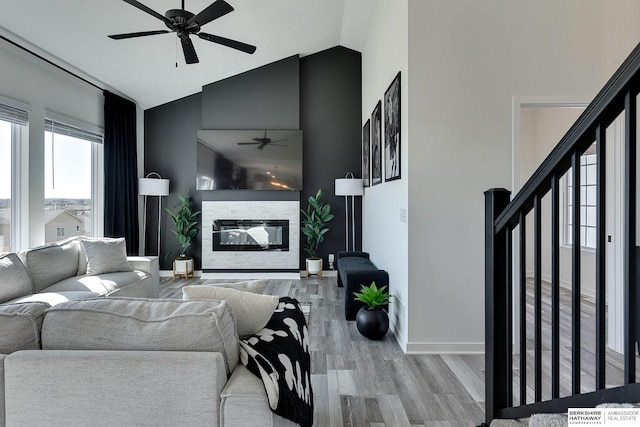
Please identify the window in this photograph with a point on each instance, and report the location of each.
(588, 189)
(72, 178)
(13, 121)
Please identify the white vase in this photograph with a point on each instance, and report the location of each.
(314, 266)
(183, 267)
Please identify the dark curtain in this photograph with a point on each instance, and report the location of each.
(120, 171)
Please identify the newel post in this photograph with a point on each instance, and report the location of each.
(496, 306)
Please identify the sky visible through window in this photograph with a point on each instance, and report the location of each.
(68, 176)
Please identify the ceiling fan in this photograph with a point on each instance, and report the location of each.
(185, 23)
(263, 142)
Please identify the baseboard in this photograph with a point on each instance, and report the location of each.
(252, 275)
(444, 348)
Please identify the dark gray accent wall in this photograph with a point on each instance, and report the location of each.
(265, 98)
(320, 94)
(330, 111)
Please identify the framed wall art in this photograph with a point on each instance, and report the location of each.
(376, 145)
(392, 130)
(366, 154)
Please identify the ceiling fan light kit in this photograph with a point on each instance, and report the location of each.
(185, 23)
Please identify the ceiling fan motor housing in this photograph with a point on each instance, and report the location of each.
(179, 18)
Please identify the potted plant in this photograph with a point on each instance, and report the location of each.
(314, 220)
(372, 320)
(184, 219)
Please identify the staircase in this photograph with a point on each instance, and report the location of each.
(514, 385)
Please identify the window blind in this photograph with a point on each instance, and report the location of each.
(55, 126)
(14, 115)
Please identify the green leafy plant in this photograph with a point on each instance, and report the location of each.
(373, 296)
(314, 220)
(184, 219)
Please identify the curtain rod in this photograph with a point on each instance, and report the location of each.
(50, 62)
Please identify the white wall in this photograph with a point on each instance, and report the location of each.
(44, 87)
(467, 60)
(385, 237)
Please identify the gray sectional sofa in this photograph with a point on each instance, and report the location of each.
(64, 271)
(86, 353)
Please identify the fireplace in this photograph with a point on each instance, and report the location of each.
(227, 244)
(250, 235)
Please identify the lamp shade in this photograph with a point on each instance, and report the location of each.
(153, 187)
(349, 187)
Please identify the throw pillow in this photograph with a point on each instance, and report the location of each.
(255, 286)
(252, 311)
(106, 256)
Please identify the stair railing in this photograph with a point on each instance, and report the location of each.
(502, 217)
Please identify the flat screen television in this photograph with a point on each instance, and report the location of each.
(249, 160)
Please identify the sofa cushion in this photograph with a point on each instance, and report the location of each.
(102, 284)
(142, 324)
(20, 326)
(14, 280)
(252, 311)
(54, 298)
(47, 265)
(106, 255)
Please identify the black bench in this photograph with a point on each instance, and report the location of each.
(354, 270)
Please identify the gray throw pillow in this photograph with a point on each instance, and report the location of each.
(106, 256)
(255, 286)
(14, 280)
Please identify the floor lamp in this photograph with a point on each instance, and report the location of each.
(349, 187)
(152, 185)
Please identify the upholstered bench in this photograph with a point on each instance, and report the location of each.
(354, 270)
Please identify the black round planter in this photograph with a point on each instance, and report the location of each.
(372, 324)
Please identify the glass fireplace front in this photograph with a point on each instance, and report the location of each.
(251, 235)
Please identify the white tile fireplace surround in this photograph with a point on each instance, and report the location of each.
(251, 260)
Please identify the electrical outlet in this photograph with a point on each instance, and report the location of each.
(331, 259)
(403, 215)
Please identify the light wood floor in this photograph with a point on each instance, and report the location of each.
(358, 382)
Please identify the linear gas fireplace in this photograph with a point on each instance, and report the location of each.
(251, 235)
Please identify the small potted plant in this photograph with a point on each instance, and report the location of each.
(372, 320)
(184, 219)
(314, 220)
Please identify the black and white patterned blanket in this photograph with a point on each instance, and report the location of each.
(279, 355)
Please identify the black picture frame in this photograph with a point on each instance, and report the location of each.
(366, 154)
(392, 131)
(376, 144)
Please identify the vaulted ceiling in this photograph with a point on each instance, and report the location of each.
(144, 68)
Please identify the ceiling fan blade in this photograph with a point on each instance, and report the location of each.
(150, 11)
(190, 55)
(140, 34)
(214, 11)
(249, 143)
(228, 42)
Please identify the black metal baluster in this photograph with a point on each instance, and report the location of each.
(575, 273)
(537, 280)
(509, 325)
(630, 237)
(555, 287)
(601, 250)
(523, 309)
